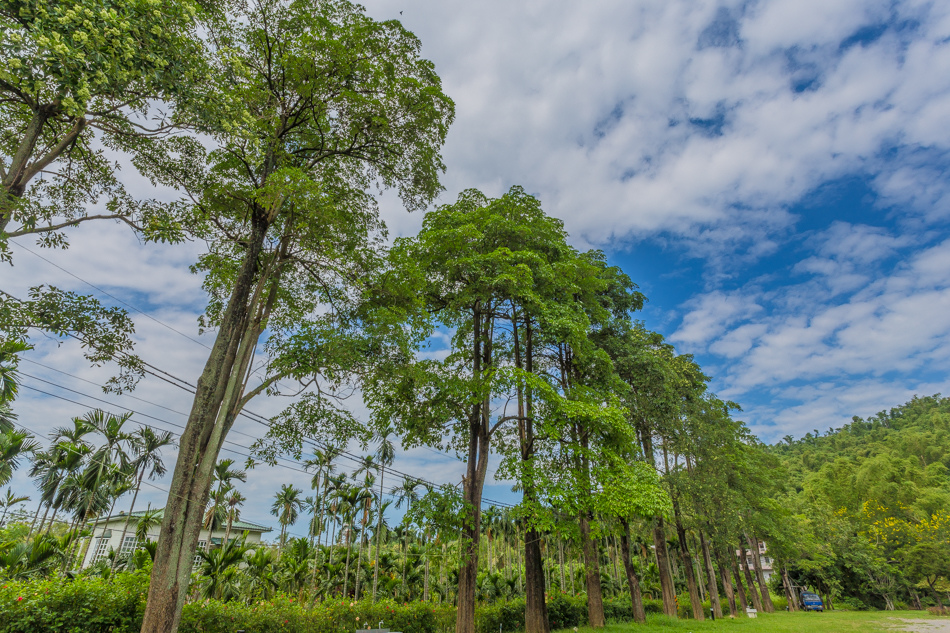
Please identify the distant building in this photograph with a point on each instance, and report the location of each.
(109, 531)
(763, 556)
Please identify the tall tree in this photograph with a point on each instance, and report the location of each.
(384, 455)
(335, 102)
(286, 507)
(78, 79)
(147, 448)
(223, 475)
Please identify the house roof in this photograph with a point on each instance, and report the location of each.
(236, 526)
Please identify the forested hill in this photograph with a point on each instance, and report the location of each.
(910, 442)
(869, 503)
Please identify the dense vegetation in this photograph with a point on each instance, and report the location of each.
(871, 506)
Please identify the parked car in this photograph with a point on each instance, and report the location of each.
(811, 602)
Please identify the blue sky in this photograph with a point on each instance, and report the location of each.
(775, 175)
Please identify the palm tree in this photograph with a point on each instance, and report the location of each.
(8, 502)
(216, 564)
(14, 446)
(333, 499)
(8, 379)
(259, 572)
(406, 493)
(286, 507)
(110, 458)
(384, 455)
(147, 447)
(149, 519)
(233, 503)
(223, 475)
(366, 498)
(34, 558)
(59, 464)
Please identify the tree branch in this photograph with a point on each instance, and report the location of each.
(74, 222)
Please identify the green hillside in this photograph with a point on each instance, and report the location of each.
(869, 505)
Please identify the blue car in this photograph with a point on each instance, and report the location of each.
(812, 602)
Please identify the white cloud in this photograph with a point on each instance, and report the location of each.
(895, 324)
(674, 121)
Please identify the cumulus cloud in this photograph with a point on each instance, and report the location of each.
(890, 329)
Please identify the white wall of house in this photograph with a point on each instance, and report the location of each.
(108, 534)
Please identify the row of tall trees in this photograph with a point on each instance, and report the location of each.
(302, 108)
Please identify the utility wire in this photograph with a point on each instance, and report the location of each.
(255, 417)
(248, 455)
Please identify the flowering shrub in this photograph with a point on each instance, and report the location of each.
(88, 605)
(91, 605)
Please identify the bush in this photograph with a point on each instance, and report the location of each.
(93, 605)
(501, 616)
(939, 610)
(284, 614)
(851, 604)
(652, 606)
(88, 605)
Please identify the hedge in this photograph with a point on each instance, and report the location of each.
(94, 605)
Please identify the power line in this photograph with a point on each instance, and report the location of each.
(108, 294)
(250, 415)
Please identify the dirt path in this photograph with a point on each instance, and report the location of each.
(925, 626)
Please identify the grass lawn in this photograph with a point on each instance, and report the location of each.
(828, 622)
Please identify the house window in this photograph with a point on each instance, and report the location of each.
(128, 545)
(102, 549)
(202, 546)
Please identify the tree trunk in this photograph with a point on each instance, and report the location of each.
(694, 600)
(753, 592)
(560, 559)
(711, 588)
(474, 481)
(727, 587)
(39, 528)
(740, 590)
(789, 590)
(218, 399)
(595, 600)
(760, 575)
(667, 588)
(35, 516)
(570, 561)
(633, 582)
(425, 550)
(379, 529)
(359, 559)
(346, 573)
(125, 527)
(536, 609)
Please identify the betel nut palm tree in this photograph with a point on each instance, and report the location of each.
(147, 448)
(286, 507)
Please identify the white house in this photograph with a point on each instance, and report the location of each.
(766, 560)
(109, 531)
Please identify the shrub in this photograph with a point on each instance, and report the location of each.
(501, 616)
(87, 604)
(652, 606)
(939, 610)
(284, 614)
(116, 605)
(851, 604)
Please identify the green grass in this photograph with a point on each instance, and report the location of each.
(828, 622)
